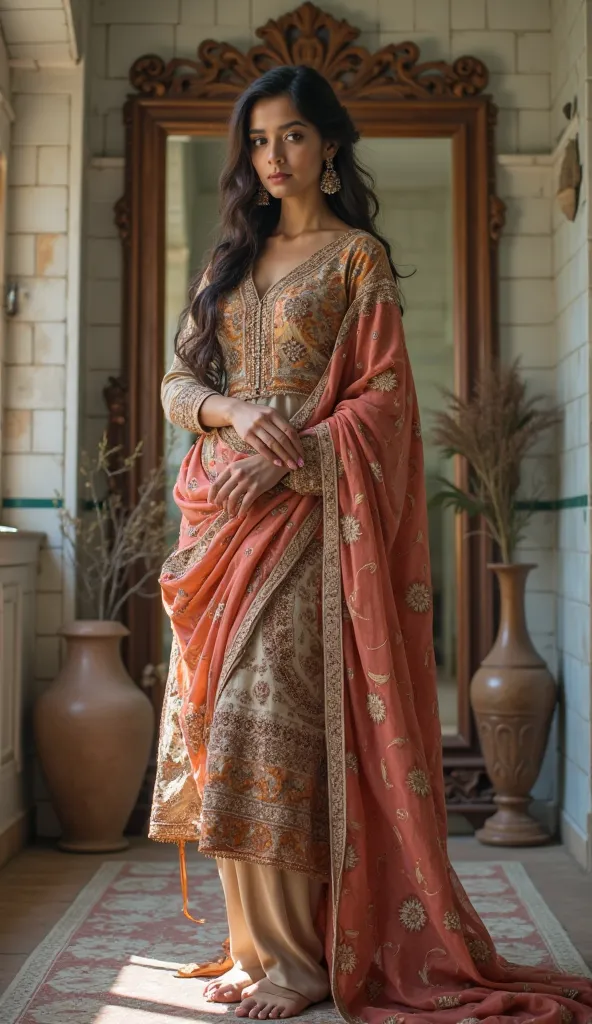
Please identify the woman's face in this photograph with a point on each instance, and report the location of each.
(287, 151)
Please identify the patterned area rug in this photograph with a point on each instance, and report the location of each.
(112, 957)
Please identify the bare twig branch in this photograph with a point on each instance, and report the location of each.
(109, 541)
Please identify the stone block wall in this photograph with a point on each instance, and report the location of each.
(537, 54)
(571, 55)
(512, 37)
(40, 372)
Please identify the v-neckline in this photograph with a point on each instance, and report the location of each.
(337, 242)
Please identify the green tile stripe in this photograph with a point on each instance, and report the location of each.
(555, 505)
(32, 503)
(41, 503)
(580, 501)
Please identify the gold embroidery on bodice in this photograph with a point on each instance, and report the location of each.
(277, 347)
(281, 343)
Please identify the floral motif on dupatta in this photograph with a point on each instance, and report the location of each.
(403, 940)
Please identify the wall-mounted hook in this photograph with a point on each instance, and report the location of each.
(12, 297)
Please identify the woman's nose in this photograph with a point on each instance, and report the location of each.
(275, 155)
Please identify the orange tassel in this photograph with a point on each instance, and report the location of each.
(184, 891)
(208, 969)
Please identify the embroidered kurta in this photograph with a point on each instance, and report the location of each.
(300, 724)
(266, 800)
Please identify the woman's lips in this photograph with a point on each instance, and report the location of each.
(278, 177)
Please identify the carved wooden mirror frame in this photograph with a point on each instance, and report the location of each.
(388, 93)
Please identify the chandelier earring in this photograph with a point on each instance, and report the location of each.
(262, 195)
(330, 180)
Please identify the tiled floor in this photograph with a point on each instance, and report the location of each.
(37, 887)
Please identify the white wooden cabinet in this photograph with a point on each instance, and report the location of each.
(19, 555)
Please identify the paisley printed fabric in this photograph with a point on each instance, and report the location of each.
(402, 940)
(266, 796)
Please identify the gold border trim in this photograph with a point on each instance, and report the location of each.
(176, 833)
(309, 265)
(290, 556)
(334, 686)
(183, 559)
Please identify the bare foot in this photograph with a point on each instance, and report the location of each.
(264, 1000)
(228, 987)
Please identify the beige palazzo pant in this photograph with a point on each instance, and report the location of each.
(271, 918)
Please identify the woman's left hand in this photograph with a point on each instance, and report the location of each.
(241, 483)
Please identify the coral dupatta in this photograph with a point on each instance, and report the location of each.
(402, 937)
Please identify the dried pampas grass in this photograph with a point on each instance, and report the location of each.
(494, 430)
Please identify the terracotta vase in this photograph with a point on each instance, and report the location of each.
(93, 732)
(513, 696)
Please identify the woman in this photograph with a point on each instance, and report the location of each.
(301, 743)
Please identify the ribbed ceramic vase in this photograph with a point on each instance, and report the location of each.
(513, 696)
(93, 732)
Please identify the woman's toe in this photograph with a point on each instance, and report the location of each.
(228, 994)
(256, 1009)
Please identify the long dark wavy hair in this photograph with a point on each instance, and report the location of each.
(245, 226)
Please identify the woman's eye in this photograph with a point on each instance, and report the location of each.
(257, 141)
(294, 135)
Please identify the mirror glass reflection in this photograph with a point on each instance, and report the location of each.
(414, 186)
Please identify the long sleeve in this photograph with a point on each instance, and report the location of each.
(182, 396)
(181, 393)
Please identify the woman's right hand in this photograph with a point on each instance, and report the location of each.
(268, 433)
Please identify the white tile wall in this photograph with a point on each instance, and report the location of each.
(113, 12)
(43, 299)
(535, 62)
(20, 258)
(37, 208)
(468, 14)
(22, 169)
(571, 272)
(519, 16)
(49, 344)
(17, 430)
(35, 385)
(399, 17)
(47, 26)
(19, 343)
(48, 431)
(534, 52)
(41, 119)
(52, 165)
(513, 39)
(35, 476)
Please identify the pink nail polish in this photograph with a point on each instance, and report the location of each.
(301, 462)
(277, 462)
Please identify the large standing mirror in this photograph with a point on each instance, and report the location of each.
(427, 139)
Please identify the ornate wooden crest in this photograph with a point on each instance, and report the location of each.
(310, 36)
